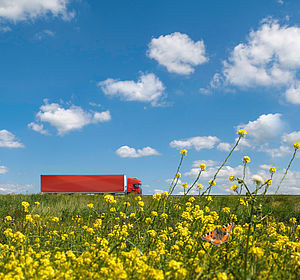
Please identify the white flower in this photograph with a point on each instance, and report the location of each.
(257, 179)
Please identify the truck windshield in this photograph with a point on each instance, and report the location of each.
(136, 186)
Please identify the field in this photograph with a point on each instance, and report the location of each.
(159, 237)
(251, 236)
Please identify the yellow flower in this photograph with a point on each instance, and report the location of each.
(165, 193)
(243, 202)
(8, 218)
(141, 203)
(242, 132)
(164, 216)
(234, 188)
(226, 210)
(231, 177)
(246, 159)
(202, 166)
(268, 182)
(272, 169)
(184, 185)
(37, 203)
(25, 204)
(209, 198)
(257, 251)
(29, 218)
(192, 199)
(293, 220)
(157, 196)
(148, 220)
(178, 175)
(109, 198)
(199, 186)
(211, 182)
(154, 214)
(91, 205)
(297, 145)
(222, 276)
(126, 203)
(113, 209)
(183, 152)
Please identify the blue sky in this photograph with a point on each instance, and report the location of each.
(119, 87)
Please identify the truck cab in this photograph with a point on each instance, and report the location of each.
(134, 185)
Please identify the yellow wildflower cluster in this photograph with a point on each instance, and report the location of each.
(161, 242)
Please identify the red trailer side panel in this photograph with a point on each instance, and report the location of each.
(83, 183)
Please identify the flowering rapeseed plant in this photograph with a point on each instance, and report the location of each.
(157, 237)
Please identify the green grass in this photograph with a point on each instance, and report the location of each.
(282, 207)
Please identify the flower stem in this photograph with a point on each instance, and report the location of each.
(194, 181)
(248, 237)
(171, 189)
(286, 170)
(210, 185)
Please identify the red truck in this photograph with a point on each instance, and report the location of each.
(118, 184)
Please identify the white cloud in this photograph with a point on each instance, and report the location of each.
(269, 58)
(178, 52)
(265, 128)
(225, 147)
(169, 181)
(18, 10)
(147, 89)
(211, 171)
(43, 34)
(102, 117)
(37, 127)
(292, 94)
(291, 138)
(198, 143)
(65, 120)
(208, 163)
(18, 188)
(128, 152)
(290, 185)
(3, 169)
(286, 148)
(8, 140)
(5, 29)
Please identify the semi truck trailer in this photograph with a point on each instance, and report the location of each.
(116, 184)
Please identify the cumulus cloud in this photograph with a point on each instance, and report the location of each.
(38, 128)
(20, 10)
(286, 147)
(290, 185)
(3, 169)
(147, 89)
(225, 147)
(178, 52)
(265, 128)
(208, 163)
(211, 171)
(198, 143)
(269, 58)
(8, 140)
(291, 138)
(128, 152)
(292, 94)
(66, 119)
(15, 188)
(43, 34)
(5, 29)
